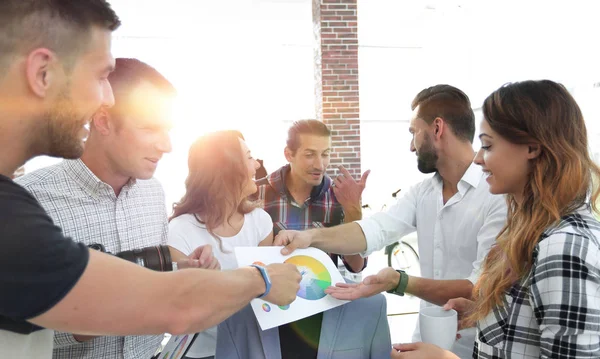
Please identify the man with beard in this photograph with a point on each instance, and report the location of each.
(54, 62)
(109, 196)
(455, 216)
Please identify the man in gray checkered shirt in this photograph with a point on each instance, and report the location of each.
(109, 196)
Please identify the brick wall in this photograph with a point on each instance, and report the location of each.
(336, 78)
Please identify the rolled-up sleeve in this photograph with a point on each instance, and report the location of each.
(385, 228)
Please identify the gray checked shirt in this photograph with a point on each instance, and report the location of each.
(88, 211)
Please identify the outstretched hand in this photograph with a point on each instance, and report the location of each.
(371, 285)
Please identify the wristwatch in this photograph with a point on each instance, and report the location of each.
(265, 275)
(402, 283)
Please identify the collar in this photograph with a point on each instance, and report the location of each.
(90, 183)
(471, 178)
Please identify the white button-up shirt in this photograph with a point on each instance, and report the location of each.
(453, 238)
(88, 211)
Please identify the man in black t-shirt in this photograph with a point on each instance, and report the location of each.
(54, 61)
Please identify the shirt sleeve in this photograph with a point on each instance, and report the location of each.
(38, 264)
(264, 223)
(385, 228)
(565, 296)
(179, 236)
(495, 219)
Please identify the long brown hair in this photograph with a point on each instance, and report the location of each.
(562, 178)
(217, 177)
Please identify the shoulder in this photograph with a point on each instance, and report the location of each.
(575, 237)
(151, 187)
(259, 215)
(42, 177)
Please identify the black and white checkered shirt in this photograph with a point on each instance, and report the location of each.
(554, 312)
(88, 211)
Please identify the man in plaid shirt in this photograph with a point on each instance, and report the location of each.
(301, 196)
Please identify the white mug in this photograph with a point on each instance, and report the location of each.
(438, 326)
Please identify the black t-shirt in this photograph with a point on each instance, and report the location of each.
(38, 264)
(300, 339)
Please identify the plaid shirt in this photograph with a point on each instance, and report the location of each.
(554, 312)
(320, 210)
(88, 211)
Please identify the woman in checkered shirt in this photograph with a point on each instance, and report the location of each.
(539, 293)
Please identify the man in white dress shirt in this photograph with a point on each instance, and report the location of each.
(455, 216)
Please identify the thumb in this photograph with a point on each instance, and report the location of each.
(372, 279)
(363, 178)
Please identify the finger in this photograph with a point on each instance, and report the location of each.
(363, 178)
(280, 239)
(206, 255)
(214, 264)
(288, 249)
(344, 171)
(342, 294)
(406, 347)
(346, 285)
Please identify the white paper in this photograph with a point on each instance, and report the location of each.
(318, 272)
(176, 347)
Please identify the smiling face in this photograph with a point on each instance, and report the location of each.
(85, 90)
(251, 165)
(140, 138)
(506, 163)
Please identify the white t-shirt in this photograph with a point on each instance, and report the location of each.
(37, 345)
(186, 234)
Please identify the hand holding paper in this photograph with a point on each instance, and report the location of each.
(318, 273)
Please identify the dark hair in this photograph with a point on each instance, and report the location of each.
(561, 179)
(303, 127)
(62, 26)
(216, 179)
(449, 103)
(130, 73)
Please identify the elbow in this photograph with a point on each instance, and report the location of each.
(188, 320)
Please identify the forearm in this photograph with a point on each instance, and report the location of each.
(352, 213)
(343, 239)
(176, 255)
(355, 262)
(148, 302)
(439, 291)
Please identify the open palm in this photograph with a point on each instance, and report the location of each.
(370, 286)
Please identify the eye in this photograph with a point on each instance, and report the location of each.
(486, 148)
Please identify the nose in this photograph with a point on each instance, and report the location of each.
(412, 146)
(479, 158)
(108, 98)
(320, 163)
(164, 143)
(256, 165)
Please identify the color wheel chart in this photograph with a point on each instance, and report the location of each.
(315, 277)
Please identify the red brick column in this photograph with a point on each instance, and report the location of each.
(336, 78)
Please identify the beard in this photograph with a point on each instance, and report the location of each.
(427, 158)
(64, 126)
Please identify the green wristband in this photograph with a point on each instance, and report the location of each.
(402, 283)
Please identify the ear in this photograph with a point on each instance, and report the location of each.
(101, 122)
(288, 154)
(40, 71)
(533, 151)
(439, 126)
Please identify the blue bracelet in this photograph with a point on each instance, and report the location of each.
(265, 276)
